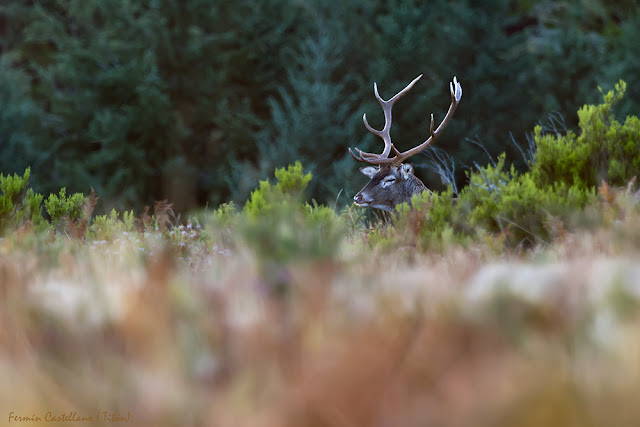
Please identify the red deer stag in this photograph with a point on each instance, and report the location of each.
(393, 182)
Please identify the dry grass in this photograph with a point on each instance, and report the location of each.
(464, 338)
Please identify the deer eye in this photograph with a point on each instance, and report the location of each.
(388, 181)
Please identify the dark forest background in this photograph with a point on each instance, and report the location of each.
(195, 100)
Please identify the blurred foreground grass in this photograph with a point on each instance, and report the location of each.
(190, 324)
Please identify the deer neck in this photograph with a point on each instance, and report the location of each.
(414, 186)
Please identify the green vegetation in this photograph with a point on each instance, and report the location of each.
(195, 102)
(283, 230)
(291, 182)
(605, 149)
(281, 227)
(108, 227)
(319, 316)
(525, 208)
(510, 208)
(19, 205)
(62, 208)
(193, 287)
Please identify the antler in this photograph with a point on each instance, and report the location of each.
(383, 158)
(385, 133)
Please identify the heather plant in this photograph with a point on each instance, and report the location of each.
(516, 205)
(61, 207)
(445, 223)
(432, 222)
(218, 226)
(497, 201)
(281, 228)
(224, 214)
(565, 172)
(290, 185)
(603, 150)
(19, 204)
(106, 227)
(525, 208)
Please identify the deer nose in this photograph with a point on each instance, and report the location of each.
(362, 200)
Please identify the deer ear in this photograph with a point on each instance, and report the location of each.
(406, 171)
(370, 171)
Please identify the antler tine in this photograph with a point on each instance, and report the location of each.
(456, 94)
(385, 133)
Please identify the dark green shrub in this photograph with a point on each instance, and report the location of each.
(191, 100)
(19, 121)
(564, 175)
(147, 100)
(432, 222)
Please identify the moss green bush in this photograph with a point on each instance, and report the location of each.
(563, 178)
(282, 228)
(445, 224)
(525, 208)
(106, 227)
(19, 204)
(289, 187)
(603, 150)
(61, 207)
(517, 205)
(218, 226)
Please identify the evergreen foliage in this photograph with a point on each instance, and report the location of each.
(141, 95)
(195, 101)
(19, 124)
(314, 118)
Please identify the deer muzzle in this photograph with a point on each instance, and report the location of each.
(362, 200)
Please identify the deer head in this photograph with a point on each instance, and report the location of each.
(391, 181)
